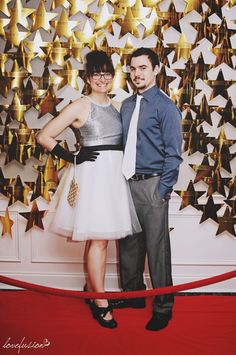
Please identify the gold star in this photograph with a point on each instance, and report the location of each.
(18, 191)
(195, 141)
(64, 26)
(190, 196)
(17, 76)
(232, 204)
(228, 114)
(226, 223)
(48, 103)
(209, 210)
(16, 109)
(34, 217)
(203, 170)
(3, 184)
(41, 18)
(7, 223)
(67, 76)
(220, 86)
(4, 8)
(19, 14)
(81, 5)
(232, 188)
(221, 151)
(216, 183)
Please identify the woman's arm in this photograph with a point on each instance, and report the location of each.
(68, 116)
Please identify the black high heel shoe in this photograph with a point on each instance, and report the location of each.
(100, 312)
(86, 300)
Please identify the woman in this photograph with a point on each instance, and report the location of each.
(104, 210)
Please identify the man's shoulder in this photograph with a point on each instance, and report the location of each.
(164, 97)
(128, 100)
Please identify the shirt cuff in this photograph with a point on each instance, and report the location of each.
(164, 191)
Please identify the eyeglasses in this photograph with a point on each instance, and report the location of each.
(98, 76)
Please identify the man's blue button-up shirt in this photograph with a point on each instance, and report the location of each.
(159, 137)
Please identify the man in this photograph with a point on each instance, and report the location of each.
(158, 156)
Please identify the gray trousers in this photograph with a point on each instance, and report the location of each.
(154, 242)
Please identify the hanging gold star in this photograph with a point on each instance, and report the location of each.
(64, 26)
(36, 46)
(34, 217)
(4, 8)
(120, 78)
(103, 18)
(187, 122)
(232, 188)
(3, 23)
(195, 141)
(219, 86)
(87, 35)
(226, 223)
(7, 223)
(19, 14)
(129, 23)
(5, 83)
(41, 18)
(221, 151)
(203, 170)
(224, 53)
(16, 75)
(81, 6)
(31, 96)
(55, 52)
(190, 196)
(14, 36)
(48, 103)
(153, 23)
(3, 184)
(174, 18)
(204, 113)
(48, 176)
(209, 210)
(232, 204)
(228, 114)
(24, 57)
(67, 76)
(216, 6)
(216, 183)
(18, 191)
(16, 109)
(182, 48)
(40, 188)
(193, 5)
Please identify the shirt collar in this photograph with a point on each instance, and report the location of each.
(149, 94)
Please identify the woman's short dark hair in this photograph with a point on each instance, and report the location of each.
(153, 57)
(98, 61)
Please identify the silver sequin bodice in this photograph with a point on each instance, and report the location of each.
(102, 127)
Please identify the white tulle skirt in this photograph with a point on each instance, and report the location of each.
(104, 209)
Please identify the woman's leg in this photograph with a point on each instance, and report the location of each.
(87, 286)
(96, 265)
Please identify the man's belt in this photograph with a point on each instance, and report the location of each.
(137, 177)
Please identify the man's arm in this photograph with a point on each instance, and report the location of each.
(172, 140)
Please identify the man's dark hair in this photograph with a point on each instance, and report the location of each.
(153, 57)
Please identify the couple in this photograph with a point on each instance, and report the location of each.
(121, 199)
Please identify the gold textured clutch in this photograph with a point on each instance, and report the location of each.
(74, 188)
(73, 193)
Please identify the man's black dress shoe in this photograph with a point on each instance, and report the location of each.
(158, 321)
(128, 303)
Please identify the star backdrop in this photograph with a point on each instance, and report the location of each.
(43, 44)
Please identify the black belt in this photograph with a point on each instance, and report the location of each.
(138, 177)
(103, 147)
